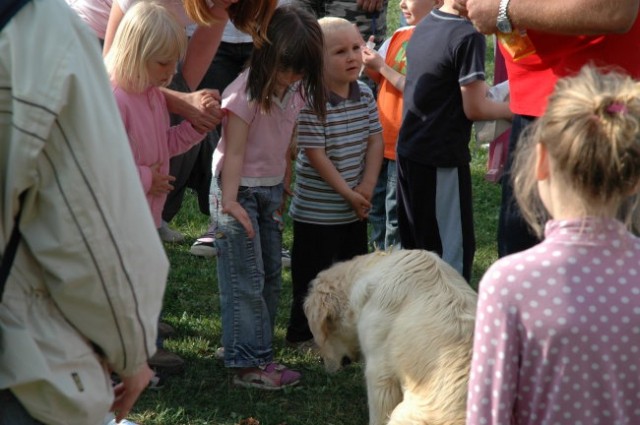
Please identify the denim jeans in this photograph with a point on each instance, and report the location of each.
(249, 274)
(383, 215)
(12, 412)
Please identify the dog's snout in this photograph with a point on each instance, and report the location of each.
(346, 361)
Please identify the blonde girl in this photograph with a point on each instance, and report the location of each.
(143, 58)
(558, 325)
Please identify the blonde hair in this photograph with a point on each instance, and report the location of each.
(591, 130)
(331, 24)
(147, 32)
(249, 16)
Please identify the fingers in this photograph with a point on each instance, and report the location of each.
(461, 7)
(128, 391)
(236, 210)
(369, 5)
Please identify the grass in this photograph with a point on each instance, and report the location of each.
(204, 394)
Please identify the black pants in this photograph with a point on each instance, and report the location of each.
(315, 248)
(12, 412)
(514, 234)
(435, 212)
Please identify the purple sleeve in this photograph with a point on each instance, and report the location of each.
(494, 368)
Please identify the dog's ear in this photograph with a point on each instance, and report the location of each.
(322, 311)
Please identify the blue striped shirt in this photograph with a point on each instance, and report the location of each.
(344, 135)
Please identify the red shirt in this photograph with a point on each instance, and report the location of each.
(532, 79)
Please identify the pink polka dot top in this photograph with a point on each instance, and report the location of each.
(557, 336)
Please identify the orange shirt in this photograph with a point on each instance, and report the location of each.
(390, 98)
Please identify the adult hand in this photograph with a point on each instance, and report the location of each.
(370, 5)
(482, 13)
(205, 113)
(461, 7)
(128, 391)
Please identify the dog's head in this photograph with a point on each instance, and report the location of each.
(330, 314)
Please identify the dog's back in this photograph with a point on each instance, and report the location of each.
(418, 313)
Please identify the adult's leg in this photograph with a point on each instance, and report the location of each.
(181, 165)
(514, 234)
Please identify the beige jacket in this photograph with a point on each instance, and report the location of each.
(90, 271)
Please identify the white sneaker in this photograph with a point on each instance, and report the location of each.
(204, 247)
(110, 419)
(169, 235)
(286, 259)
(219, 355)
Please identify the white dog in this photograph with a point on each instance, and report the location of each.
(411, 316)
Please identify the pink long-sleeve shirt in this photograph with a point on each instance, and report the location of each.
(152, 138)
(557, 336)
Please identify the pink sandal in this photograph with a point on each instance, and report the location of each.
(272, 376)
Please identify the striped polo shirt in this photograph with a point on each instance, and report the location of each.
(344, 135)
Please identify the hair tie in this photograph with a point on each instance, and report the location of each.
(617, 108)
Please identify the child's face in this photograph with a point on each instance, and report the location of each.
(161, 71)
(415, 10)
(343, 58)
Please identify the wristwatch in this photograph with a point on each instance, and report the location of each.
(503, 23)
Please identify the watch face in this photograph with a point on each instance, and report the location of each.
(504, 26)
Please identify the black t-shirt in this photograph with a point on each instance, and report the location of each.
(444, 53)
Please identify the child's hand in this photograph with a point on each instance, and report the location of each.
(160, 183)
(366, 190)
(370, 58)
(236, 210)
(360, 204)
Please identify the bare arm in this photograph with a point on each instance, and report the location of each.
(376, 68)
(477, 106)
(372, 164)
(570, 17)
(237, 131)
(115, 16)
(200, 52)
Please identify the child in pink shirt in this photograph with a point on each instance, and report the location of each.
(250, 168)
(557, 333)
(145, 51)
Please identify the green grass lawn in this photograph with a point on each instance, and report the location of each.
(204, 394)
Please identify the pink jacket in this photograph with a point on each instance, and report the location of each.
(153, 140)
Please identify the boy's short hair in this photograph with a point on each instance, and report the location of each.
(147, 32)
(330, 24)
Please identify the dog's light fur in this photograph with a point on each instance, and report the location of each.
(411, 316)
